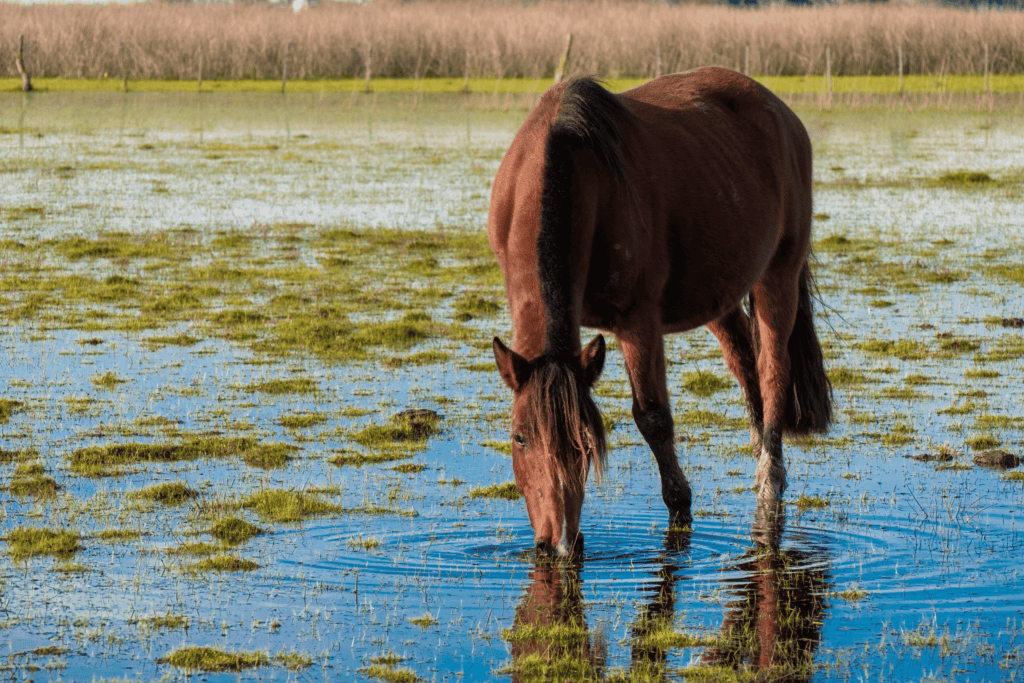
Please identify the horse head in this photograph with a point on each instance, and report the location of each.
(557, 433)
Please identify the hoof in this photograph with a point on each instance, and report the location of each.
(771, 479)
(677, 499)
(680, 519)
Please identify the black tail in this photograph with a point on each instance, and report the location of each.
(588, 118)
(809, 408)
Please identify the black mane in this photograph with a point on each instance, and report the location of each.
(588, 118)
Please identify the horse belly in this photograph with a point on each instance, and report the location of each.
(712, 269)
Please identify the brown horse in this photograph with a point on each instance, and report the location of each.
(645, 213)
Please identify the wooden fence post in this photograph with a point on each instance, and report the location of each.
(200, 68)
(899, 53)
(746, 61)
(284, 69)
(124, 70)
(369, 58)
(26, 80)
(563, 63)
(986, 69)
(828, 76)
(657, 61)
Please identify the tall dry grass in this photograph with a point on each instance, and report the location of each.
(487, 39)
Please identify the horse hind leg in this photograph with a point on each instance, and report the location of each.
(644, 354)
(734, 334)
(776, 297)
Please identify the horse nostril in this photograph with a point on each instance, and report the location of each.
(542, 548)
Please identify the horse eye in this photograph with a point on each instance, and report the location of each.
(519, 440)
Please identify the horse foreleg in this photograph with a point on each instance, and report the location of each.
(733, 333)
(644, 354)
(776, 304)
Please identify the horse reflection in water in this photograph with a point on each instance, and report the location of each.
(770, 630)
(550, 638)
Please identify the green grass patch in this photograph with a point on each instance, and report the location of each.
(425, 621)
(123, 246)
(416, 359)
(852, 594)
(99, 461)
(506, 491)
(165, 622)
(302, 420)
(844, 377)
(168, 493)
(354, 459)
(283, 506)
(664, 638)
(295, 385)
(224, 563)
(1014, 476)
(904, 349)
(108, 380)
(708, 418)
(983, 442)
(805, 502)
(26, 542)
(212, 659)
(363, 543)
(233, 531)
(117, 535)
(475, 306)
(703, 383)
(404, 332)
(390, 674)
(982, 374)
(268, 455)
(409, 468)
(31, 479)
(8, 407)
(409, 429)
(965, 179)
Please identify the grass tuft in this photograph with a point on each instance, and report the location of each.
(283, 506)
(507, 491)
(26, 542)
(169, 493)
(703, 383)
(232, 530)
(225, 563)
(212, 659)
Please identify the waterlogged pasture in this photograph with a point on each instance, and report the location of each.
(218, 310)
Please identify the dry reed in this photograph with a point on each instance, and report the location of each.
(506, 40)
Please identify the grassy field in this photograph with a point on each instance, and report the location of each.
(783, 85)
(479, 39)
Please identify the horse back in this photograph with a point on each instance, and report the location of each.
(720, 186)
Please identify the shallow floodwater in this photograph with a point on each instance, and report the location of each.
(882, 568)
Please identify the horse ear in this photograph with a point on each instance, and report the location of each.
(514, 369)
(592, 360)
